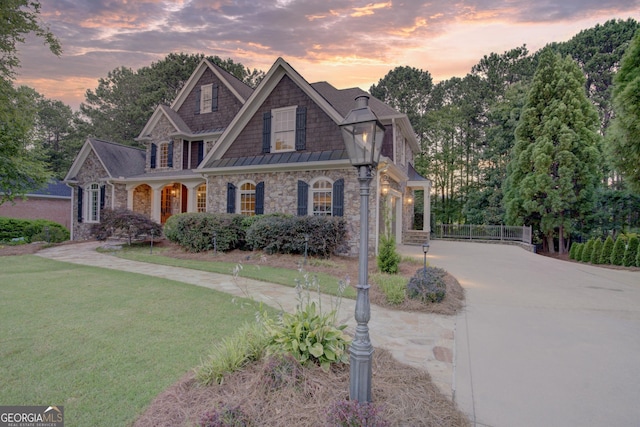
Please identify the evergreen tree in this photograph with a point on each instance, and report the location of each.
(579, 249)
(552, 177)
(607, 249)
(587, 251)
(624, 142)
(596, 251)
(617, 256)
(638, 257)
(630, 253)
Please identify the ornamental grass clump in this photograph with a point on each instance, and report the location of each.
(428, 285)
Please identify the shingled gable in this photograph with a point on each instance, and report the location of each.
(116, 159)
(279, 69)
(176, 121)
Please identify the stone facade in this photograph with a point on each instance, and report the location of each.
(281, 196)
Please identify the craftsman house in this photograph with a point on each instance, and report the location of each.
(223, 147)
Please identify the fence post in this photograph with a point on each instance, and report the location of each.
(501, 232)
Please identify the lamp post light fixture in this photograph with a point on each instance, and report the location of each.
(425, 249)
(363, 134)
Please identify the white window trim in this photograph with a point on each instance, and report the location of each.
(159, 163)
(239, 195)
(206, 89)
(311, 192)
(89, 192)
(198, 199)
(273, 129)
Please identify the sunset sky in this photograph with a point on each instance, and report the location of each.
(345, 42)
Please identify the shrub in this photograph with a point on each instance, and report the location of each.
(32, 230)
(428, 285)
(607, 249)
(124, 222)
(617, 256)
(346, 413)
(233, 353)
(587, 251)
(579, 249)
(596, 251)
(630, 253)
(638, 257)
(309, 336)
(195, 231)
(286, 234)
(393, 287)
(388, 257)
(226, 416)
(572, 251)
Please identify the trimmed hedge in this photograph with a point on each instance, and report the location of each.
(195, 231)
(286, 234)
(273, 233)
(32, 230)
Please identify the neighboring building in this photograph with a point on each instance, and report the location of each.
(223, 147)
(52, 202)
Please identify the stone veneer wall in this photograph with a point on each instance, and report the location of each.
(161, 133)
(142, 200)
(281, 196)
(91, 171)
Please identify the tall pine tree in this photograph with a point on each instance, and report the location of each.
(553, 174)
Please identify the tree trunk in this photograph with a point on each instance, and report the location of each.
(561, 248)
(552, 249)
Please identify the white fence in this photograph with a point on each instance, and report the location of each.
(484, 232)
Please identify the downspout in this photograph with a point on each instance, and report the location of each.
(73, 192)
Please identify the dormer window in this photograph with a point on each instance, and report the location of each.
(208, 98)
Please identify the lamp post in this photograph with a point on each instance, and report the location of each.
(363, 134)
(425, 249)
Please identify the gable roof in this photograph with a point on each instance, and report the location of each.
(117, 160)
(239, 89)
(336, 103)
(54, 189)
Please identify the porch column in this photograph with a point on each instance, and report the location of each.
(191, 196)
(426, 219)
(156, 200)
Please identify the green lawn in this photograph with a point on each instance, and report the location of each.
(328, 284)
(102, 343)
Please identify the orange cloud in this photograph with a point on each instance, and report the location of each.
(370, 9)
(418, 24)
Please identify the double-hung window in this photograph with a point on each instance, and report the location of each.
(248, 199)
(93, 203)
(321, 197)
(201, 198)
(283, 129)
(206, 98)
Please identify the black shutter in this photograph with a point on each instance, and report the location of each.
(231, 198)
(197, 109)
(102, 193)
(170, 155)
(214, 98)
(80, 204)
(266, 132)
(301, 128)
(260, 198)
(154, 155)
(200, 151)
(338, 198)
(303, 198)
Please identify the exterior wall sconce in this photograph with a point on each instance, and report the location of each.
(384, 185)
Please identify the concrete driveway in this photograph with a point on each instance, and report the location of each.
(542, 342)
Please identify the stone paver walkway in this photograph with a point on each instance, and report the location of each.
(421, 340)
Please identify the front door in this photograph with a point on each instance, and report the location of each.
(166, 204)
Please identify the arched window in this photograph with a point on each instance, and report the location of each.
(247, 196)
(321, 197)
(201, 198)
